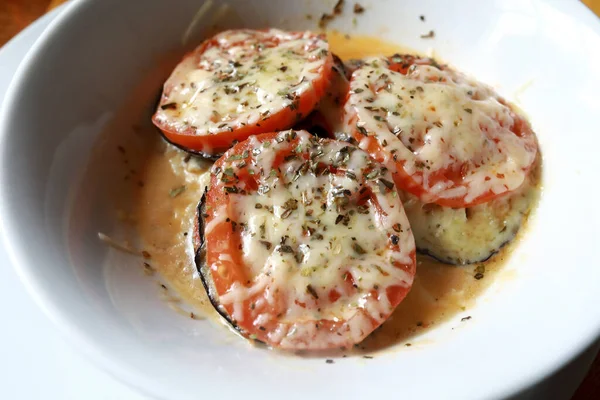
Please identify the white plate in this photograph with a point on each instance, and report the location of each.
(77, 75)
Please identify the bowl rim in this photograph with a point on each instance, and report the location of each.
(100, 354)
(67, 328)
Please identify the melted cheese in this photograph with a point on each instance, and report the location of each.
(435, 119)
(299, 244)
(241, 78)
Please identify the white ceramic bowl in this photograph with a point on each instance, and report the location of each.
(86, 65)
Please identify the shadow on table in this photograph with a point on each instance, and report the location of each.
(563, 384)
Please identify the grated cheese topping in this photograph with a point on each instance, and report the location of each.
(239, 78)
(437, 124)
(318, 247)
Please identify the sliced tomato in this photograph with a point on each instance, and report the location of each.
(240, 83)
(303, 242)
(448, 139)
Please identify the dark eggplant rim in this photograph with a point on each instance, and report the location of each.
(200, 261)
(196, 153)
(205, 276)
(443, 260)
(339, 65)
(447, 261)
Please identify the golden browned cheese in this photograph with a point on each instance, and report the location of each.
(172, 186)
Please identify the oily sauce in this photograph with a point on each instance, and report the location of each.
(173, 184)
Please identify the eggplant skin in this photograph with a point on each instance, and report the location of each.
(200, 261)
(195, 153)
(313, 124)
(340, 66)
(204, 271)
(461, 236)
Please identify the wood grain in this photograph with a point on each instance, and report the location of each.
(15, 15)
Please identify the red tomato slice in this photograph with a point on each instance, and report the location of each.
(240, 83)
(303, 242)
(448, 139)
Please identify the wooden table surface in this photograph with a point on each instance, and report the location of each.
(15, 15)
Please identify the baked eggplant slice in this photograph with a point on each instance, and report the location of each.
(240, 83)
(469, 235)
(302, 243)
